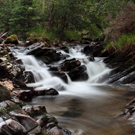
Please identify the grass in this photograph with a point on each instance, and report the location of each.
(72, 34)
(39, 32)
(124, 40)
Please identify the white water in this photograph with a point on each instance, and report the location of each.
(96, 71)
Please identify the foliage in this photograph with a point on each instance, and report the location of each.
(57, 16)
(22, 17)
(5, 14)
(123, 24)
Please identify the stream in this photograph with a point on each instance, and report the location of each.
(84, 107)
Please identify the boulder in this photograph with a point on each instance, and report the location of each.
(4, 93)
(55, 131)
(47, 121)
(78, 73)
(94, 49)
(4, 130)
(68, 65)
(11, 40)
(15, 127)
(27, 122)
(60, 74)
(34, 110)
(24, 95)
(45, 54)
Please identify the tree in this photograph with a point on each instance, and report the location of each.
(5, 14)
(23, 17)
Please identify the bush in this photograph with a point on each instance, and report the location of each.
(123, 24)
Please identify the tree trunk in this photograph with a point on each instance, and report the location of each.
(43, 12)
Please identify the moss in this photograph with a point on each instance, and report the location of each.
(4, 93)
(11, 39)
(8, 109)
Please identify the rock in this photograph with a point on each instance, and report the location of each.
(25, 76)
(4, 94)
(37, 131)
(11, 39)
(68, 65)
(49, 91)
(4, 72)
(47, 121)
(24, 95)
(4, 130)
(47, 55)
(15, 127)
(78, 73)
(93, 49)
(34, 110)
(64, 48)
(27, 122)
(60, 74)
(21, 85)
(55, 131)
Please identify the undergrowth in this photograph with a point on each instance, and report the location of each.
(39, 32)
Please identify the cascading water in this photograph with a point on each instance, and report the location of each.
(81, 106)
(95, 70)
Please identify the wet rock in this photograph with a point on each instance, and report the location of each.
(78, 73)
(37, 131)
(94, 49)
(55, 131)
(34, 110)
(47, 55)
(4, 130)
(27, 122)
(24, 95)
(15, 127)
(45, 119)
(4, 93)
(68, 65)
(64, 48)
(25, 76)
(60, 74)
(65, 131)
(49, 91)
(21, 85)
(130, 78)
(118, 74)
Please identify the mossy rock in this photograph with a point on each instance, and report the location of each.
(11, 39)
(4, 94)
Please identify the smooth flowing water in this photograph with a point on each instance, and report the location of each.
(84, 107)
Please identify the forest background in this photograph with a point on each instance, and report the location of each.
(110, 21)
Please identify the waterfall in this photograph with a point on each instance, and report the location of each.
(96, 71)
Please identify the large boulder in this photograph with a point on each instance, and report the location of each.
(47, 55)
(11, 40)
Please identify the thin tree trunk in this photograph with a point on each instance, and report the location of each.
(43, 12)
